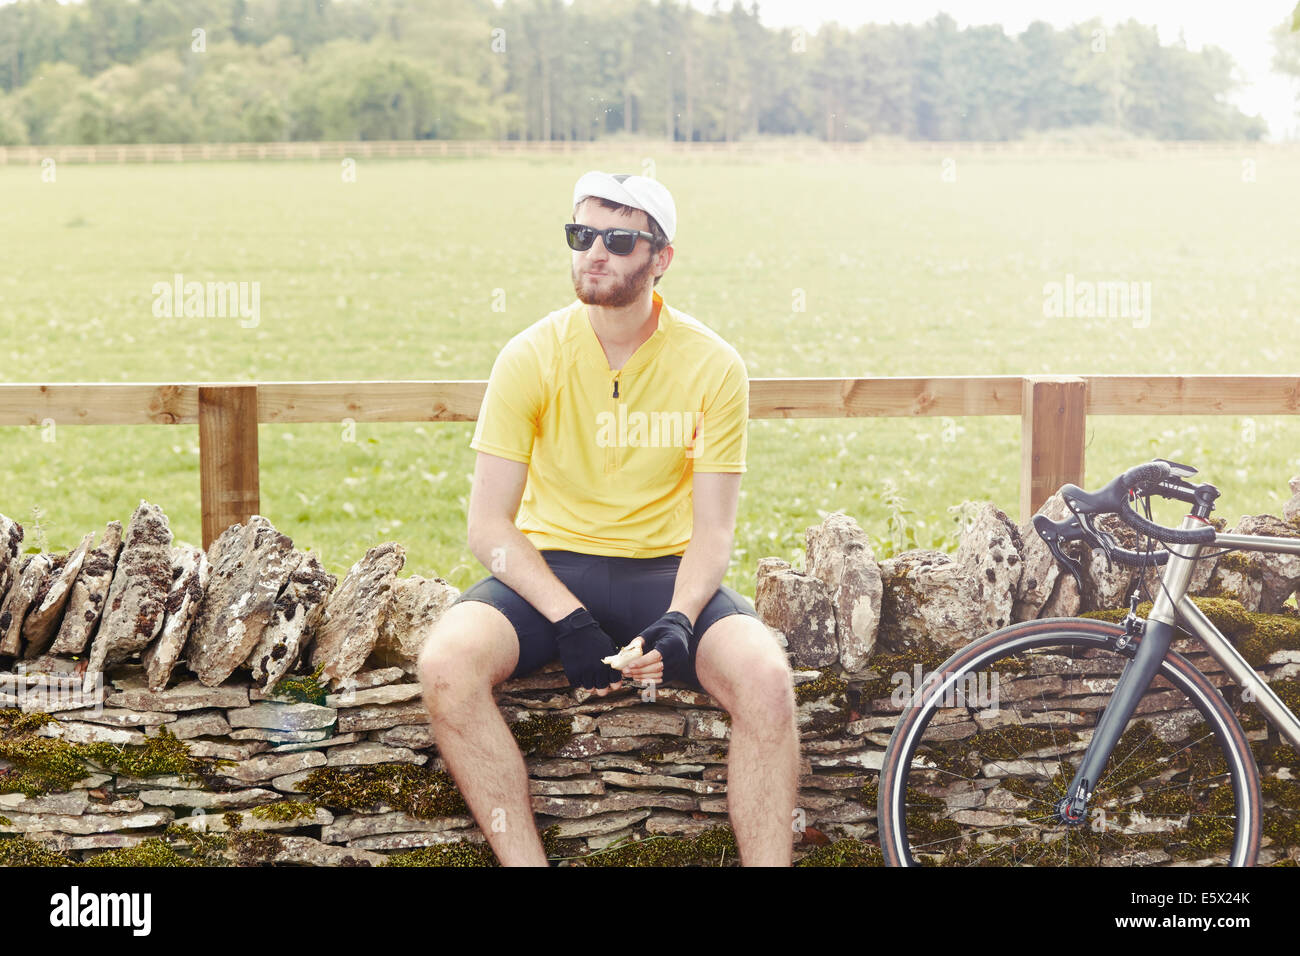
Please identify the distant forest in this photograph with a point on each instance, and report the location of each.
(180, 71)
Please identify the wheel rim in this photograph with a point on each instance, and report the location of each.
(983, 783)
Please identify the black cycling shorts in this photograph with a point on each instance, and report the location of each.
(624, 595)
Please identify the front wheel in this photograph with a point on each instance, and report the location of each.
(981, 758)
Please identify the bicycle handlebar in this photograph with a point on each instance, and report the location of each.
(1152, 477)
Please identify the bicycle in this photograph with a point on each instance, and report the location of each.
(1165, 774)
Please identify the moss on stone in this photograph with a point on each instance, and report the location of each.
(828, 685)
(844, 853)
(305, 689)
(929, 655)
(1242, 564)
(45, 764)
(714, 847)
(285, 810)
(459, 853)
(153, 851)
(21, 851)
(543, 735)
(415, 790)
(233, 819)
(255, 847)
(205, 847)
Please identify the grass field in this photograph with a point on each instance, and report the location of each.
(395, 276)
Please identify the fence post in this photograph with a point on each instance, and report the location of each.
(1053, 419)
(228, 478)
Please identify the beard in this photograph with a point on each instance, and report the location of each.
(616, 294)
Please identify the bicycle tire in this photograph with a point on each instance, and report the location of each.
(1202, 786)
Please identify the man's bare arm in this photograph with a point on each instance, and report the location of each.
(503, 548)
(715, 498)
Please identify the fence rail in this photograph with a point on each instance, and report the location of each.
(1053, 410)
(464, 149)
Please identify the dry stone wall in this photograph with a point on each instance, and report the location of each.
(183, 682)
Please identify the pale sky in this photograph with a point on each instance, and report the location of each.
(1241, 28)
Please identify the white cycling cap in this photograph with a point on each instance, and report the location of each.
(639, 192)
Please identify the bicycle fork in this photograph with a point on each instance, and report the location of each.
(1136, 677)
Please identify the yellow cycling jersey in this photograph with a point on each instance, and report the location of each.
(611, 453)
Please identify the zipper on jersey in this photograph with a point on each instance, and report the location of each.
(611, 452)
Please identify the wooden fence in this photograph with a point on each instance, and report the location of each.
(756, 149)
(1053, 410)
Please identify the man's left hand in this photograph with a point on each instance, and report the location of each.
(667, 654)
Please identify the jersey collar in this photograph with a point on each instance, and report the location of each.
(645, 352)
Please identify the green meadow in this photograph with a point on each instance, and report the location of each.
(423, 269)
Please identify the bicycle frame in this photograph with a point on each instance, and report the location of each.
(1171, 605)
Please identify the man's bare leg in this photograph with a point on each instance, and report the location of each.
(740, 665)
(471, 649)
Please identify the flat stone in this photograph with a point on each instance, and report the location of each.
(370, 752)
(298, 610)
(350, 628)
(557, 768)
(13, 608)
(189, 695)
(799, 606)
(841, 557)
(120, 717)
(66, 843)
(162, 781)
(587, 745)
(868, 760)
(280, 736)
(990, 547)
(677, 824)
(570, 807)
(416, 606)
(268, 766)
(356, 826)
(226, 751)
(334, 741)
(562, 788)
(73, 802)
(206, 799)
(79, 733)
(633, 722)
(379, 716)
(710, 726)
(594, 826)
(85, 823)
(406, 735)
(308, 852)
(660, 780)
(121, 805)
(409, 841)
(214, 822)
(11, 535)
(85, 606)
(137, 597)
(200, 722)
(276, 716)
(389, 694)
(190, 573)
(251, 564)
(48, 603)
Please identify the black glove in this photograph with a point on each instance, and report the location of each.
(670, 636)
(582, 645)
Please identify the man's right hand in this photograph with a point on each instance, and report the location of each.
(582, 644)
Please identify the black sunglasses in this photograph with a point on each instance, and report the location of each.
(619, 242)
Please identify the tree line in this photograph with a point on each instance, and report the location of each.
(128, 71)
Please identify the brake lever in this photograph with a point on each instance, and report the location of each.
(1055, 533)
(1102, 540)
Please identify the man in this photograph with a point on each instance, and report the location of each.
(610, 445)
